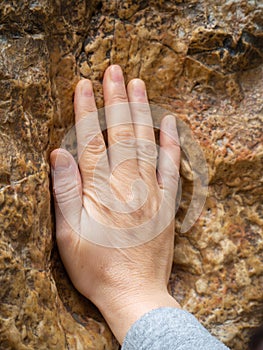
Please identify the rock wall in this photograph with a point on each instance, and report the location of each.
(202, 59)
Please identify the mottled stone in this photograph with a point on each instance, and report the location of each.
(202, 60)
(40, 42)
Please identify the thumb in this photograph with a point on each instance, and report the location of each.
(67, 191)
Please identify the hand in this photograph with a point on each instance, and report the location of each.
(114, 212)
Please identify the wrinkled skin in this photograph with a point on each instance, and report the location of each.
(125, 277)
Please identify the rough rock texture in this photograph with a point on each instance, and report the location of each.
(39, 308)
(202, 59)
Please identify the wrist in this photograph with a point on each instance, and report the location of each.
(125, 309)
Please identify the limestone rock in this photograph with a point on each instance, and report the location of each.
(199, 59)
(39, 308)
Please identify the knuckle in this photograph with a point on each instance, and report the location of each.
(118, 98)
(96, 145)
(87, 110)
(141, 108)
(175, 177)
(176, 146)
(173, 174)
(124, 135)
(148, 149)
(66, 194)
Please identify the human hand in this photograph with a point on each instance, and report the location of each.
(114, 213)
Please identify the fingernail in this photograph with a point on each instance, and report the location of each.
(60, 163)
(116, 74)
(171, 123)
(171, 129)
(138, 88)
(86, 88)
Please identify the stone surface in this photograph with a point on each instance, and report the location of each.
(200, 59)
(39, 308)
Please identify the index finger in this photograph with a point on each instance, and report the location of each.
(92, 152)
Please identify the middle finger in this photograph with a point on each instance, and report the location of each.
(121, 137)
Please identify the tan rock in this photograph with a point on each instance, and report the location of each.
(199, 59)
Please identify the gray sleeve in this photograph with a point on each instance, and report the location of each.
(169, 329)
